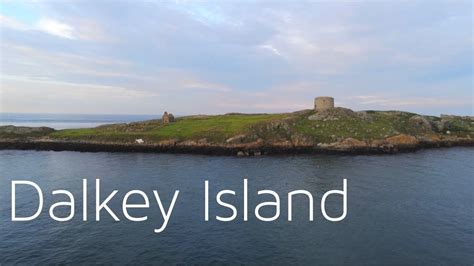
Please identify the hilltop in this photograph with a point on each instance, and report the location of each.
(330, 130)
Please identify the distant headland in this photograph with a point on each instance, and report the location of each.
(323, 129)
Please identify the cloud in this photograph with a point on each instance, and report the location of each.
(85, 29)
(248, 56)
(30, 95)
(391, 102)
(46, 25)
(81, 90)
(23, 60)
(270, 48)
(55, 28)
(197, 84)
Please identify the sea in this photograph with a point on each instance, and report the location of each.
(67, 121)
(403, 209)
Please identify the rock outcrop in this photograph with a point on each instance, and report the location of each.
(419, 125)
(402, 139)
(332, 114)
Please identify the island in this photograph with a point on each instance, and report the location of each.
(324, 129)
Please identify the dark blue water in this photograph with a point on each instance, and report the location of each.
(412, 208)
(63, 121)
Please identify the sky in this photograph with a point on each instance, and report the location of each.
(189, 57)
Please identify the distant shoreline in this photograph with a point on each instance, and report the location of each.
(61, 121)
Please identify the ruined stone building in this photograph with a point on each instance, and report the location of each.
(167, 118)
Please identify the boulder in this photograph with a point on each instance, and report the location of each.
(402, 139)
(281, 124)
(169, 142)
(419, 125)
(301, 140)
(236, 139)
(203, 141)
(351, 142)
(242, 153)
(332, 114)
(443, 125)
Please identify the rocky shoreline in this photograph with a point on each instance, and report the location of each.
(397, 144)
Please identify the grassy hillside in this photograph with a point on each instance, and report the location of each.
(304, 126)
(213, 128)
(307, 127)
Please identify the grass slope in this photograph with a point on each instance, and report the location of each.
(303, 126)
(213, 128)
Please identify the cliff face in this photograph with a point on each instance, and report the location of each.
(333, 130)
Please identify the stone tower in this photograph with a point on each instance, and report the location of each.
(323, 103)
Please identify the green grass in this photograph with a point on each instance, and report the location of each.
(462, 127)
(213, 128)
(376, 126)
(269, 127)
(216, 128)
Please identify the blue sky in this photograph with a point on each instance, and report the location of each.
(144, 57)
